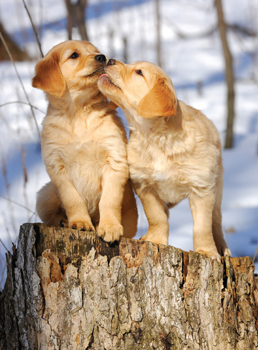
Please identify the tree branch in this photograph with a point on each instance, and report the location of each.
(16, 203)
(21, 102)
(34, 29)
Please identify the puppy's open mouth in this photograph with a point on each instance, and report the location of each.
(105, 78)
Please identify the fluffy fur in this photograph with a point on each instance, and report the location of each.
(83, 147)
(174, 152)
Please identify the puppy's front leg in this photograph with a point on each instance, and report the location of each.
(203, 241)
(110, 206)
(157, 213)
(75, 207)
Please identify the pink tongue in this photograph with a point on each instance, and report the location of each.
(103, 75)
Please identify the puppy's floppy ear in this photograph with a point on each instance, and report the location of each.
(49, 77)
(159, 101)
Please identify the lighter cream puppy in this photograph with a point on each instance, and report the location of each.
(83, 147)
(174, 152)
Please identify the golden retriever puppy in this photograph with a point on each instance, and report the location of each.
(83, 147)
(174, 152)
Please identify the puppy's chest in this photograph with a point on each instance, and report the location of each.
(153, 164)
(162, 168)
(82, 142)
(79, 131)
(83, 149)
(74, 147)
(153, 168)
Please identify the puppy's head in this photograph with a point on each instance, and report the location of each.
(72, 65)
(141, 88)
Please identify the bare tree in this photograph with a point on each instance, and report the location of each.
(125, 49)
(229, 75)
(158, 43)
(76, 17)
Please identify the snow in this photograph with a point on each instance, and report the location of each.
(193, 62)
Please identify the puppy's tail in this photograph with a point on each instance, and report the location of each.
(49, 207)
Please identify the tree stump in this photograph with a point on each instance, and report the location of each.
(67, 289)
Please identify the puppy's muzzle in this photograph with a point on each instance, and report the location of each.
(111, 62)
(100, 58)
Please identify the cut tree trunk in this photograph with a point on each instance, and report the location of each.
(67, 289)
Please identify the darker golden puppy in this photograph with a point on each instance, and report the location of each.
(83, 147)
(174, 152)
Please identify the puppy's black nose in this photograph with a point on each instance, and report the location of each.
(111, 62)
(100, 58)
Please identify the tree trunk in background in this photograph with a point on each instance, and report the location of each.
(158, 34)
(17, 53)
(76, 17)
(125, 50)
(71, 290)
(229, 142)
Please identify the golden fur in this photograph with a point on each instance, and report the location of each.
(174, 152)
(83, 147)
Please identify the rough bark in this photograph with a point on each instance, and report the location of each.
(70, 290)
(229, 142)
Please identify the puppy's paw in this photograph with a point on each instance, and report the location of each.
(156, 237)
(211, 254)
(81, 226)
(110, 232)
(227, 252)
(64, 223)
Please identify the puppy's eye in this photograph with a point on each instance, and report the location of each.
(138, 71)
(74, 55)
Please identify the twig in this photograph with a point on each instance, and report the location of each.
(4, 172)
(183, 35)
(4, 245)
(17, 73)
(255, 253)
(30, 218)
(234, 27)
(24, 103)
(34, 29)
(241, 29)
(20, 205)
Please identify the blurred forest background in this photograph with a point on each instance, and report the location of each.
(208, 47)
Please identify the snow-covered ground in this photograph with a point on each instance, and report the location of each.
(193, 62)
